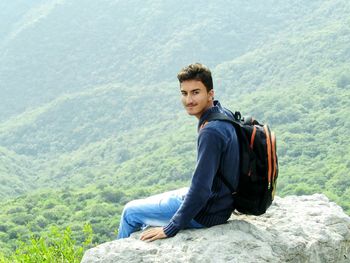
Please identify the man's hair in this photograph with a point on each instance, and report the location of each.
(198, 72)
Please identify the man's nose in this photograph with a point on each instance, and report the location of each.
(189, 99)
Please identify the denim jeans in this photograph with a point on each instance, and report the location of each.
(156, 210)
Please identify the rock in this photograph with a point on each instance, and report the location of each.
(294, 229)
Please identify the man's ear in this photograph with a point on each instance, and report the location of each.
(211, 94)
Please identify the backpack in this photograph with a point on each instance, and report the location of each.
(258, 164)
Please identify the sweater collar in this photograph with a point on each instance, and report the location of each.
(216, 108)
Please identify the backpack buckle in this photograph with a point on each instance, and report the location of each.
(238, 115)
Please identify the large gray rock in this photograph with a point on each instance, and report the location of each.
(295, 229)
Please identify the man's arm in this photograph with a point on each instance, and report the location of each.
(210, 146)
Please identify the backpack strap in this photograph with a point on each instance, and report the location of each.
(223, 117)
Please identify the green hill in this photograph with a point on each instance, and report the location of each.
(15, 174)
(78, 138)
(300, 83)
(100, 121)
(52, 47)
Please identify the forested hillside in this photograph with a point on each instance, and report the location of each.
(51, 47)
(91, 113)
(300, 83)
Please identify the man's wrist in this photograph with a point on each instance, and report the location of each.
(170, 230)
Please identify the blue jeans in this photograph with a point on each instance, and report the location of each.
(156, 210)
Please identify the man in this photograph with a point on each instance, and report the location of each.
(207, 201)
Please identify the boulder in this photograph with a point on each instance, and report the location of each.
(294, 229)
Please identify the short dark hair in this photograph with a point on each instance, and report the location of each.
(196, 71)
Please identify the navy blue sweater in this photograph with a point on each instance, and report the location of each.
(208, 200)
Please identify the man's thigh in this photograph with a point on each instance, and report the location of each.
(156, 210)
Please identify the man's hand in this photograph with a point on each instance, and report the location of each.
(153, 234)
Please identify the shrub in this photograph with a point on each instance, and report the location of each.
(56, 247)
(111, 195)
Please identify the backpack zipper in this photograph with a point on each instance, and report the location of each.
(269, 161)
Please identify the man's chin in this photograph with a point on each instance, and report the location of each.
(191, 113)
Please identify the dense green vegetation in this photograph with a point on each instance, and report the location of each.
(52, 47)
(74, 150)
(57, 247)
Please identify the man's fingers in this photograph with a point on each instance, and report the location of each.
(152, 239)
(147, 234)
(153, 234)
(155, 237)
(146, 237)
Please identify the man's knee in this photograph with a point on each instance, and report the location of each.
(130, 208)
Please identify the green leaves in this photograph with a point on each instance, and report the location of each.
(57, 246)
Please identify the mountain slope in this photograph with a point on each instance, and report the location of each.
(56, 47)
(296, 81)
(106, 131)
(15, 174)
(300, 84)
(94, 147)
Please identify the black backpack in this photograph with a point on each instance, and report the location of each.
(258, 164)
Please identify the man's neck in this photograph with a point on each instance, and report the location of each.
(210, 105)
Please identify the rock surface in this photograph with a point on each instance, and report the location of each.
(294, 229)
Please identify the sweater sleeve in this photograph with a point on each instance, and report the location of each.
(210, 147)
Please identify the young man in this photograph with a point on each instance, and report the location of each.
(207, 201)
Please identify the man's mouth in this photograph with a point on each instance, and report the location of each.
(190, 106)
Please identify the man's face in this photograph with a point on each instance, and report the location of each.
(195, 97)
